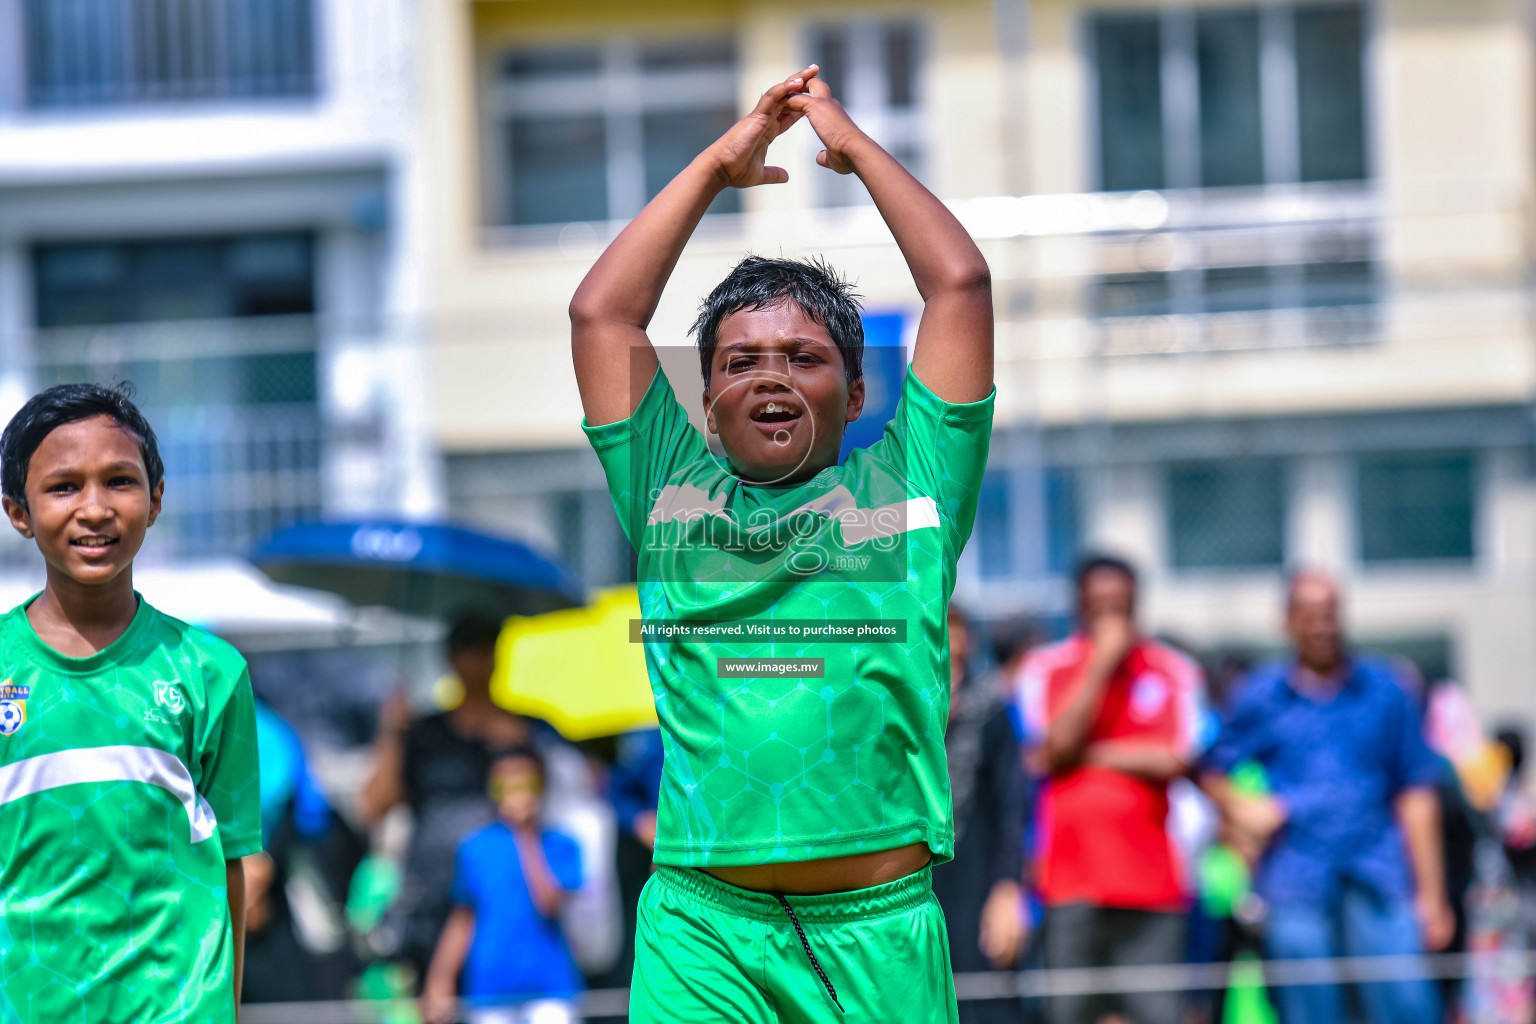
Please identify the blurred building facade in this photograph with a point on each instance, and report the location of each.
(213, 200)
(1261, 275)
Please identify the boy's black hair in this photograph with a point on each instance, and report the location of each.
(49, 410)
(473, 633)
(1095, 562)
(758, 282)
(519, 753)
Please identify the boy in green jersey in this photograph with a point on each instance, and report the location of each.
(128, 778)
(802, 801)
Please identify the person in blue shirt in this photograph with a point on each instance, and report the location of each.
(1347, 841)
(510, 881)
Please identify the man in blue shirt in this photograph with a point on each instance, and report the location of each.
(1348, 839)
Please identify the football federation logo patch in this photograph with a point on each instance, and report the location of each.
(13, 707)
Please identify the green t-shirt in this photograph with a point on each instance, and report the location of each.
(126, 780)
(789, 769)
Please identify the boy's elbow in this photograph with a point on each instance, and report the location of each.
(581, 310)
(977, 278)
(971, 280)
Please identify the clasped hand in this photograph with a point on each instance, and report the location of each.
(740, 155)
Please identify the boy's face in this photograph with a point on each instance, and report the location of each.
(778, 395)
(518, 789)
(88, 500)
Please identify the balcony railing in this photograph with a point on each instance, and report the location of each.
(84, 53)
(236, 409)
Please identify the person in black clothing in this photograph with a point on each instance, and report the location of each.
(981, 890)
(437, 766)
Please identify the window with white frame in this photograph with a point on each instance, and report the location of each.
(592, 131)
(1230, 96)
(874, 68)
(85, 53)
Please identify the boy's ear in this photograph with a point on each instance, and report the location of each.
(709, 413)
(155, 497)
(855, 399)
(20, 518)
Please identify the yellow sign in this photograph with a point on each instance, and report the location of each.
(576, 669)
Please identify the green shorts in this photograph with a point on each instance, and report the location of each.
(708, 953)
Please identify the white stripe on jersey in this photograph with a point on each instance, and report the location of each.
(148, 765)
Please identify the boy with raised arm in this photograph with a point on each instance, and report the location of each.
(799, 815)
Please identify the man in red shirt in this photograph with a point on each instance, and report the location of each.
(1113, 716)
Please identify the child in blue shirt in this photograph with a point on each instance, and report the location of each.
(510, 880)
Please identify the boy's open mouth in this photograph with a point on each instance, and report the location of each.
(776, 413)
(92, 545)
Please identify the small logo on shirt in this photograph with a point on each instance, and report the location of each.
(13, 707)
(1148, 695)
(168, 696)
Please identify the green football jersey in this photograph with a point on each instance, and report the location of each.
(126, 780)
(761, 767)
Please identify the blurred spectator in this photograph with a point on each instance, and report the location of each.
(510, 881)
(635, 790)
(1350, 779)
(1119, 715)
(437, 765)
(1516, 812)
(981, 890)
(1480, 884)
(1012, 640)
(296, 888)
(277, 968)
(287, 787)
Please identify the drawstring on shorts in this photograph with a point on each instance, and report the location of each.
(809, 955)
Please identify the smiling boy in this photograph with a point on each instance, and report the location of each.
(799, 814)
(128, 777)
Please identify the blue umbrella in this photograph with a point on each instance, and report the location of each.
(430, 569)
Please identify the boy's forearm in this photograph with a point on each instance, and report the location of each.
(547, 895)
(940, 253)
(452, 947)
(953, 353)
(234, 888)
(609, 313)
